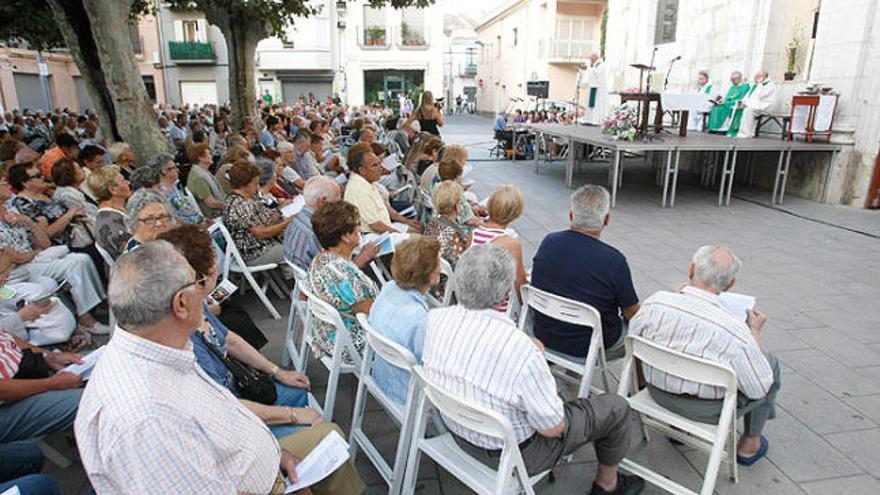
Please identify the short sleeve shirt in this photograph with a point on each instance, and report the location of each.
(369, 202)
(239, 215)
(585, 269)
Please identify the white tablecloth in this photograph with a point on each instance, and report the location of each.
(824, 114)
(694, 102)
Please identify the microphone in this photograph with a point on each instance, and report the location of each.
(677, 58)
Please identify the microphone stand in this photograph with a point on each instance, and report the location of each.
(669, 71)
(646, 105)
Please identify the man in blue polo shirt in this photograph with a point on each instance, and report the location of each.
(576, 264)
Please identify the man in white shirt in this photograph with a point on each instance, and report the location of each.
(592, 77)
(152, 421)
(693, 320)
(475, 352)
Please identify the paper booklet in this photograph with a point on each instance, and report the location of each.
(387, 241)
(294, 207)
(223, 290)
(84, 369)
(325, 458)
(738, 304)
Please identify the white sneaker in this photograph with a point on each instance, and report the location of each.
(98, 329)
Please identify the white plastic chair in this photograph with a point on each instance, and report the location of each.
(400, 357)
(575, 313)
(511, 475)
(448, 289)
(299, 313)
(320, 310)
(719, 440)
(233, 262)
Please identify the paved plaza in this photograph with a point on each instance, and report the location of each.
(815, 270)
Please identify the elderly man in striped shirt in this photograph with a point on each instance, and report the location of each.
(475, 352)
(693, 320)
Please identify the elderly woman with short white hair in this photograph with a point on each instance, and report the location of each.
(147, 215)
(122, 156)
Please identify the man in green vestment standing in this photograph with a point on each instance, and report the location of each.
(726, 108)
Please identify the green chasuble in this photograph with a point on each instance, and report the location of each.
(720, 113)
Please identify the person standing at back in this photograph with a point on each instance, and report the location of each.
(429, 116)
(577, 265)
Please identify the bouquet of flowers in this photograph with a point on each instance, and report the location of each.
(621, 123)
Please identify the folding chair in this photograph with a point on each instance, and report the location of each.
(233, 262)
(575, 313)
(320, 310)
(448, 289)
(511, 475)
(299, 313)
(719, 440)
(401, 358)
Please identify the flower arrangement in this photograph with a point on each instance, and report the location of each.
(621, 124)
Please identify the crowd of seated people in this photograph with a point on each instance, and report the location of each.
(80, 210)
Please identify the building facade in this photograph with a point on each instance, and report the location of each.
(834, 44)
(386, 51)
(460, 66)
(20, 75)
(193, 58)
(534, 40)
(305, 62)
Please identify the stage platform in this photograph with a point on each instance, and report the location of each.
(673, 146)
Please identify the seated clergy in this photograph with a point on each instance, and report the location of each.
(706, 88)
(694, 321)
(479, 354)
(152, 421)
(721, 118)
(576, 264)
(761, 99)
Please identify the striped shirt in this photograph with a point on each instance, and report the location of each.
(300, 243)
(482, 357)
(10, 356)
(695, 322)
(485, 235)
(151, 421)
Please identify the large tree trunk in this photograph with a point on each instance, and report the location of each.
(242, 36)
(99, 39)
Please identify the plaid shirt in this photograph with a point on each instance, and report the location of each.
(151, 421)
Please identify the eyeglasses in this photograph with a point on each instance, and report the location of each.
(156, 219)
(35, 176)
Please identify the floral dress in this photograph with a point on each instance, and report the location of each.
(184, 209)
(453, 242)
(239, 215)
(15, 236)
(342, 284)
(51, 210)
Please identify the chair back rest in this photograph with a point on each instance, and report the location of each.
(559, 308)
(684, 366)
(231, 254)
(106, 255)
(389, 350)
(326, 313)
(300, 276)
(459, 410)
(449, 289)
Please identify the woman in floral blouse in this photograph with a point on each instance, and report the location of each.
(335, 278)
(258, 231)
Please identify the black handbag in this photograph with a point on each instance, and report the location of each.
(250, 384)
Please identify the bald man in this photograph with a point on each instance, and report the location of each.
(721, 118)
(760, 100)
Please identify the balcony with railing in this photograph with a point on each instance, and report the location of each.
(191, 52)
(570, 51)
(468, 70)
(576, 37)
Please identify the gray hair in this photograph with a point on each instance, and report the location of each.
(320, 186)
(484, 276)
(589, 206)
(144, 177)
(267, 170)
(302, 137)
(740, 74)
(144, 282)
(703, 73)
(284, 146)
(117, 149)
(140, 200)
(716, 266)
(159, 161)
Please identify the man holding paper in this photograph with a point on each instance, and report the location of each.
(375, 215)
(695, 320)
(152, 421)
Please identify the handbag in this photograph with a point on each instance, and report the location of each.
(250, 384)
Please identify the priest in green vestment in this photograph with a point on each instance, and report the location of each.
(726, 108)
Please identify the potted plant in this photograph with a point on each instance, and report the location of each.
(404, 32)
(376, 36)
(792, 51)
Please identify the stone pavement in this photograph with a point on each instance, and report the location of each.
(811, 270)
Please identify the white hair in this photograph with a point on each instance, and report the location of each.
(484, 276)
(117, 149)
(284, 146)
(319, 187)
(715, 266)
(144, 282)
(589, 206)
